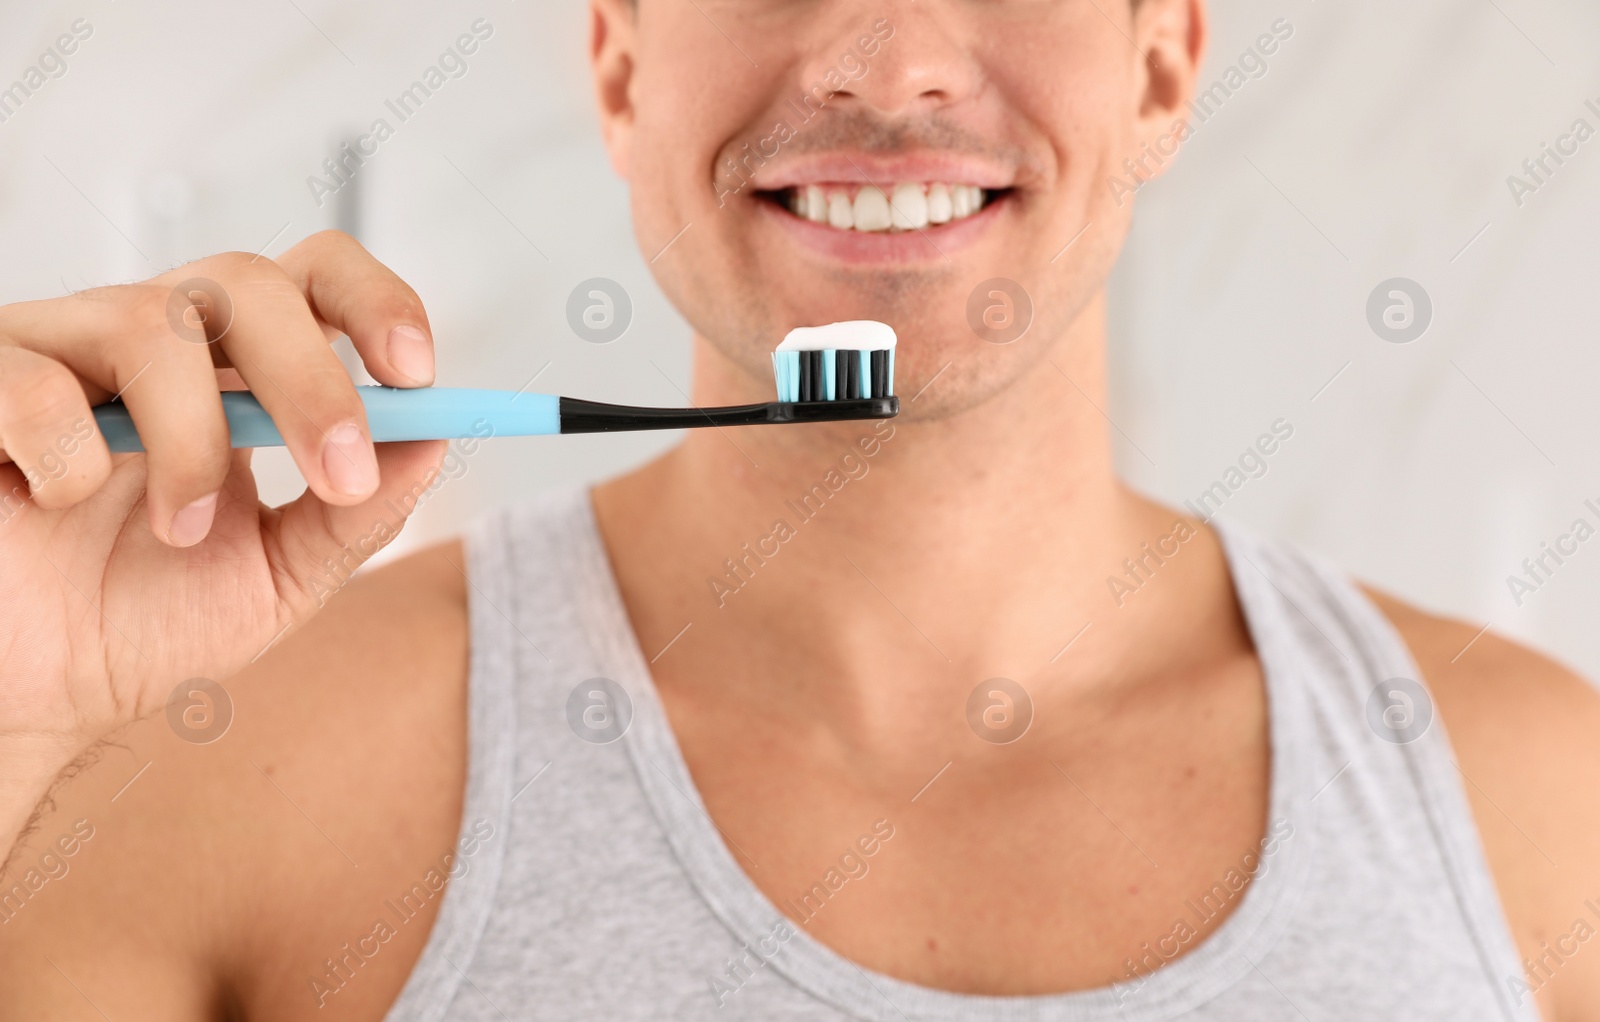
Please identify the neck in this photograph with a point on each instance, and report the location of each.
(971, 546)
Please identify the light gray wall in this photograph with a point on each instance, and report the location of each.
(1377, 144)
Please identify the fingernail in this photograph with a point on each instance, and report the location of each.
(410, 352)
(190, 525)
(349, 460)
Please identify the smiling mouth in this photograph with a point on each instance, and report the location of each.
(907, 206)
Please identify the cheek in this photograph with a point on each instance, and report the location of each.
(1073, 80)
(1072, 74)
(694, 95)
(690, 112)
(1088, 112)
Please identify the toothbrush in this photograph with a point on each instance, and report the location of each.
(824, 374)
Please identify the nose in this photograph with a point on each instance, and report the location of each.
(920, 64)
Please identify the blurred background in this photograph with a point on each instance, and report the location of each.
(1375, 143)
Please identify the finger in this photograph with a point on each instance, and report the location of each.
(133, 342)
(13, 495)
(278, 349)
(360, 297)
(47, 429)
(316, 547)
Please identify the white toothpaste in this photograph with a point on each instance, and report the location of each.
(851, 335)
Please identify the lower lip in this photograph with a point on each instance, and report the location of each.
(929, 244)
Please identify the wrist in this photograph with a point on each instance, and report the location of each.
(29, 768)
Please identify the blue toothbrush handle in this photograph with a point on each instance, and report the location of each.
(427, 413)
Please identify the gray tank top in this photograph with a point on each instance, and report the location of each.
(591, 883)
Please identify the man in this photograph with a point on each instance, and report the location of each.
(802, 722)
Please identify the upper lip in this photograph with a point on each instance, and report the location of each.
(846, 167)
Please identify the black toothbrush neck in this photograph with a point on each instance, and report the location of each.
(580, 416)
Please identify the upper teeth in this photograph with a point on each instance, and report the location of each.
(908, 206)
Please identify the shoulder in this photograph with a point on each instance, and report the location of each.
(1501, 693)
(1526, 735)
(239, 866)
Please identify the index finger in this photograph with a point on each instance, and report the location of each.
(352, 292)
(277, 347)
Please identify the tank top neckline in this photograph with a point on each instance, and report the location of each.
(1178, 984)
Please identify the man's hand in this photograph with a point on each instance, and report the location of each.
(121, 578)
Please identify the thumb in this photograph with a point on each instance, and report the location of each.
(314, 547)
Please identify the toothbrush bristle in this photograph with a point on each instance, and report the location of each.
(847, 361)
(833, 374)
